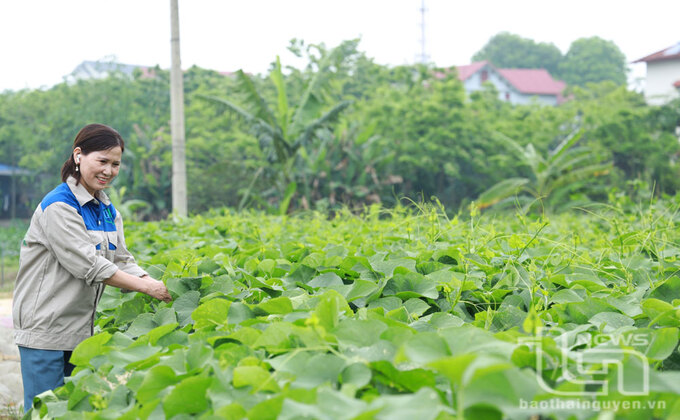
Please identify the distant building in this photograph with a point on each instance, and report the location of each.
(102, 69)
(517, 86)
(663, 75)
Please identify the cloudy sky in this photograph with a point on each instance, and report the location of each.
(41, 41)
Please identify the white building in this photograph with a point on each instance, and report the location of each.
(663, 75)
(102, 69)
(517, 86)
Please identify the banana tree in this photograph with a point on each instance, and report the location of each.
(286, 130)
(564, 169)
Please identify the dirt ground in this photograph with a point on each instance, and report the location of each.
(11, 388)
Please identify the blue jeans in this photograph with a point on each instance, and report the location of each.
(42, 370)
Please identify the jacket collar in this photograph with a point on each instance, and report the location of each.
(82, 195)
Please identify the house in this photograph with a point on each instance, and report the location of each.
(663, 75)
(102, 69)
(517, 86)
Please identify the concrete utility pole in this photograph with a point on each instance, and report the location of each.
(179, 168)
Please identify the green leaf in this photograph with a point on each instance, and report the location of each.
(668, 290)
(93, 384)
(278, 305)
(188, 397)
(663, 343)
(239, 312)
(408, 284)
(416, 307)
(180, 286)
(423, 404)
(387, 303)
(357, 374)
(276, 337)
(282, 110)
(185, 305)
(403, 380)
(425, 347)
(129, 310)
(359, 333)
(165, 316)
(609, 321)
(197, 356)
(660, 312)
(141, 325)
(503, 189)
(454, 367)
(361, 288)
(89, 348)
(207, 266)
(328, 279)
(565, 296)
(161, 331)
(134, 356)
(287, 196)
(387, 267)
(211, 313)
(157, 381)
(532, 323)
(255, 377)
(233, 411)
(320, 369)
(330, 308)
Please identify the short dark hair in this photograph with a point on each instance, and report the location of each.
(91, 138)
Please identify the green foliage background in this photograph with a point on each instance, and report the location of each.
(395, 132)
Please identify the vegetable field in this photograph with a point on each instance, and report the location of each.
(400, 314)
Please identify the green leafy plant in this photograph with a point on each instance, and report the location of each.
(565, 169)
(388, 314)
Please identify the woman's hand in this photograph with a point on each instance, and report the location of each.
(145, 284)
(156, 289)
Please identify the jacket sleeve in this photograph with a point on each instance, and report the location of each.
(70, 242)
(123, 259)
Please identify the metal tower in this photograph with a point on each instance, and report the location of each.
(423, 57)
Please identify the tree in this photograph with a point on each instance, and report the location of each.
(425, 122)
(638, 139)
(565, 169)
(285, 132)
(593, 60)
(506, 50)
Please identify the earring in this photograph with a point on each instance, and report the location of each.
(77, 168)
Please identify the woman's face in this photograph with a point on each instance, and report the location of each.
(98, 169)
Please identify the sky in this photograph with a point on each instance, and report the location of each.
(42, 41)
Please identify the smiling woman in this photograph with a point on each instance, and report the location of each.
(74, 247)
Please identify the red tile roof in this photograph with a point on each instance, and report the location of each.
(533, 81)
(528, 81)
(677, 84)
(468, 70)
(670, 53)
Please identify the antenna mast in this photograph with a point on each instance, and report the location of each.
(422, 58)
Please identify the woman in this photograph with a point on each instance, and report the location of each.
(74, 247)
